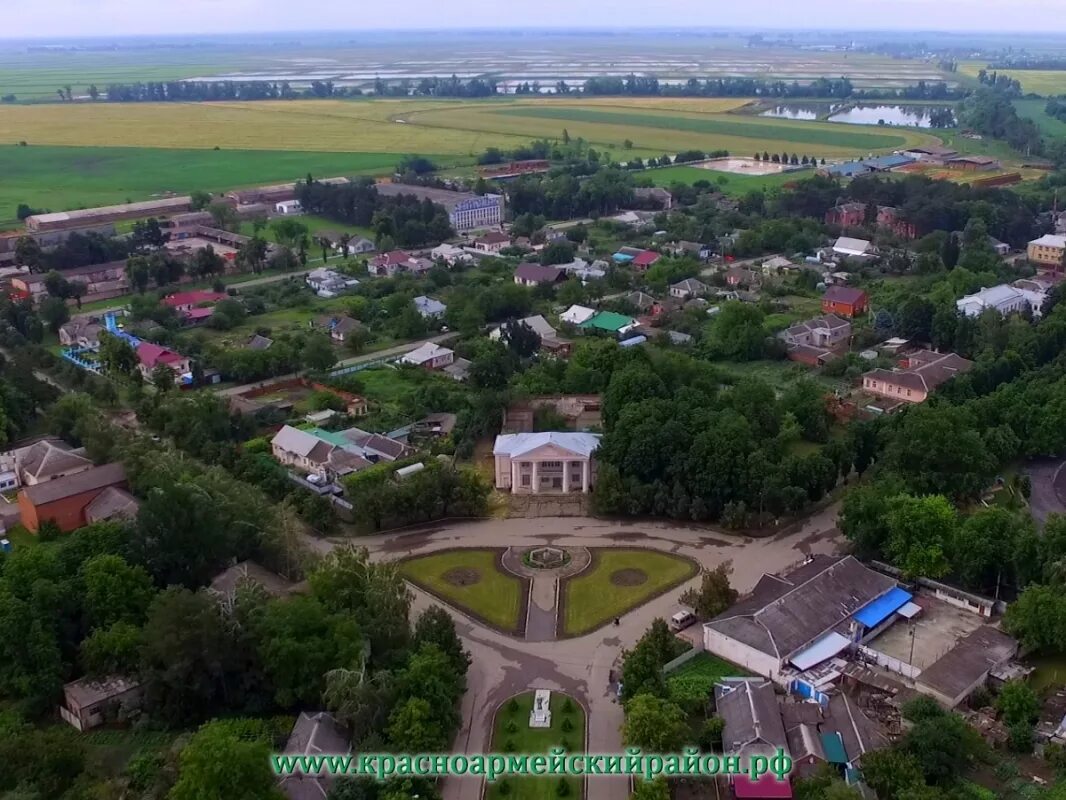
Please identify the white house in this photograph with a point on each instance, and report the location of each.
(1003, 299)
(575, 315)
(689, 287)
(356, 247)
(535, 463)
(536, 323)
(430, 308)
(429, 356)
(288, 207)
(847, 247)
(329, 283)
(450, 254)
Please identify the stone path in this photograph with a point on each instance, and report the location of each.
(542, 614)
(503, 666)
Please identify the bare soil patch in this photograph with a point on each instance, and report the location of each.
(462, 576)
(629, 577)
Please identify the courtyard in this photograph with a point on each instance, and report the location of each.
(936, 630)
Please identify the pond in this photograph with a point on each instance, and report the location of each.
(913, 116)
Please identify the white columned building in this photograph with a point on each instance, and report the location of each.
(546, 463)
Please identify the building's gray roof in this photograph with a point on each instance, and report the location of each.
(859, 733)
(972, 657)
(749, 709)
(46, 459)
(538, 273)
(786, 613)
(110, 503)
(313, 734)
(85, 692)
(258, 342)
(691, 285)
(90, 479)
(294, 440)
(226, 582)
(516, 445)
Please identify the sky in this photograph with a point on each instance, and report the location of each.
(73, 18)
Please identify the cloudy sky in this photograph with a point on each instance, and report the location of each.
(65, 18)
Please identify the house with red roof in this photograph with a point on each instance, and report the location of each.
(844, 301)
(388, 264)
(645, 259)
(186, 301)
(151, 355)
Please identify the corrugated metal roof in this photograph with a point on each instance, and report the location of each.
(834, 748)
(822, 650)
(873, 614)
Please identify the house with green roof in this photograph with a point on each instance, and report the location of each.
(609, 322)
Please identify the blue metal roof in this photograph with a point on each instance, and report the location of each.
(888, 162)
(848, 169)
(877, 611)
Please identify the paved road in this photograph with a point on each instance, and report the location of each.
(503, 666)
(398, 350)
(1049, 488)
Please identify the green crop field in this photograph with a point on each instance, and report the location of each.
(1047, 82)
(1034, 109)
(60, 178)
(769, 130)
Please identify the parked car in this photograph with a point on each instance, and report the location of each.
(681, 620)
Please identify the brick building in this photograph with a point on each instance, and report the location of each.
(65, 500)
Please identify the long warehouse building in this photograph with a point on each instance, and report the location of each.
(466, 210)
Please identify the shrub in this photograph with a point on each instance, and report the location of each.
(512, 707)
(568, 706)
(567, 725)
(562, 788)
(511, 727)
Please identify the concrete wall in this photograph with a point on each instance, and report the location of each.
(740, 654)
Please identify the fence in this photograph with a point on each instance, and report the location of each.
(684, 658)
(377, 362)
(888, 662)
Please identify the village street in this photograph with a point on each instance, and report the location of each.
(503, 665)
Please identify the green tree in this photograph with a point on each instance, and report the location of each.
(413, 728)
(919, 530)
(1018, 703)
(112, 651)
(200, 200)
(657, 789)
(289, 232)
(436, 626)
(185, 658)
(318, 354)
(715, 594)
(221, 763)
(298, 642)
(654, 724)
(116, 355)
(224, 215)
(54, 313)
(736, 333)
(114, 591)
(138, 273)
(28, 253)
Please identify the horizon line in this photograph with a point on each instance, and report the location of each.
(686, 31)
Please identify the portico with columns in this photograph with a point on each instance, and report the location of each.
(546, 463)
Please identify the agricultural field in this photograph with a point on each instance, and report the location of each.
(652, 130)
(1046, 82)
(1034, 109)
(545, 57)
(60, 178)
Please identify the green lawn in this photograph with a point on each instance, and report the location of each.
(494, 596)
(61, 178)
(20, 537)
(524, 739)
(762, 131)
(314, 226)
(592, 598)
(779, 374)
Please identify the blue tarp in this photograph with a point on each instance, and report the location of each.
(874, 613)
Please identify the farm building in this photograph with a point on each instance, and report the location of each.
(86, 217)
(973, 163)
(90, 703)
(277, 193)
(655, 195)
(466, 210)
(288, 207)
